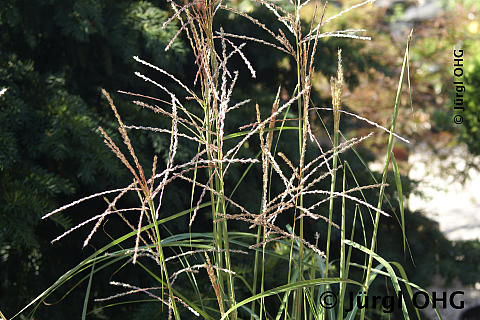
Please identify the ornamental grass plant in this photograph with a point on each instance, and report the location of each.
(240, 237)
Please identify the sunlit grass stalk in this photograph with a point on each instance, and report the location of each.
(302, 103)
(284, 305)
(222, 235)
(209, 72)
(192, 194)
(226, 246)
(336, 88)
(260, 234)
(266, 147)
(385, 170)
(290, 258)
(313, 269)
(343, 264)
(161, 258)
(218, 230)
(261, 229)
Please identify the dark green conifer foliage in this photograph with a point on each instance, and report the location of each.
(55, 55)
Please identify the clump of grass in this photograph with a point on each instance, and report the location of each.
(200, 115)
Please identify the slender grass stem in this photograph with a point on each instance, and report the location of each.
(299, 295)
(255, 269)
(343, 266)
(163, 265)
(384, 173)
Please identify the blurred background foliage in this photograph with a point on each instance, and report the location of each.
(56, 55)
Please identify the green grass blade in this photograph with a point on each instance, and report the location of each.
(351, 315)
(287, 288)
(87, 293)
(388, 267)
(387, 162)
(398, 183)
(342, 251)
(403, 279)
(403, 274)
(69, 274)
(283, 305)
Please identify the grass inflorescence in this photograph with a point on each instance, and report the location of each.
(200, 115)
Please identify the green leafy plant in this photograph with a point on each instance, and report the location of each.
(195, 272)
